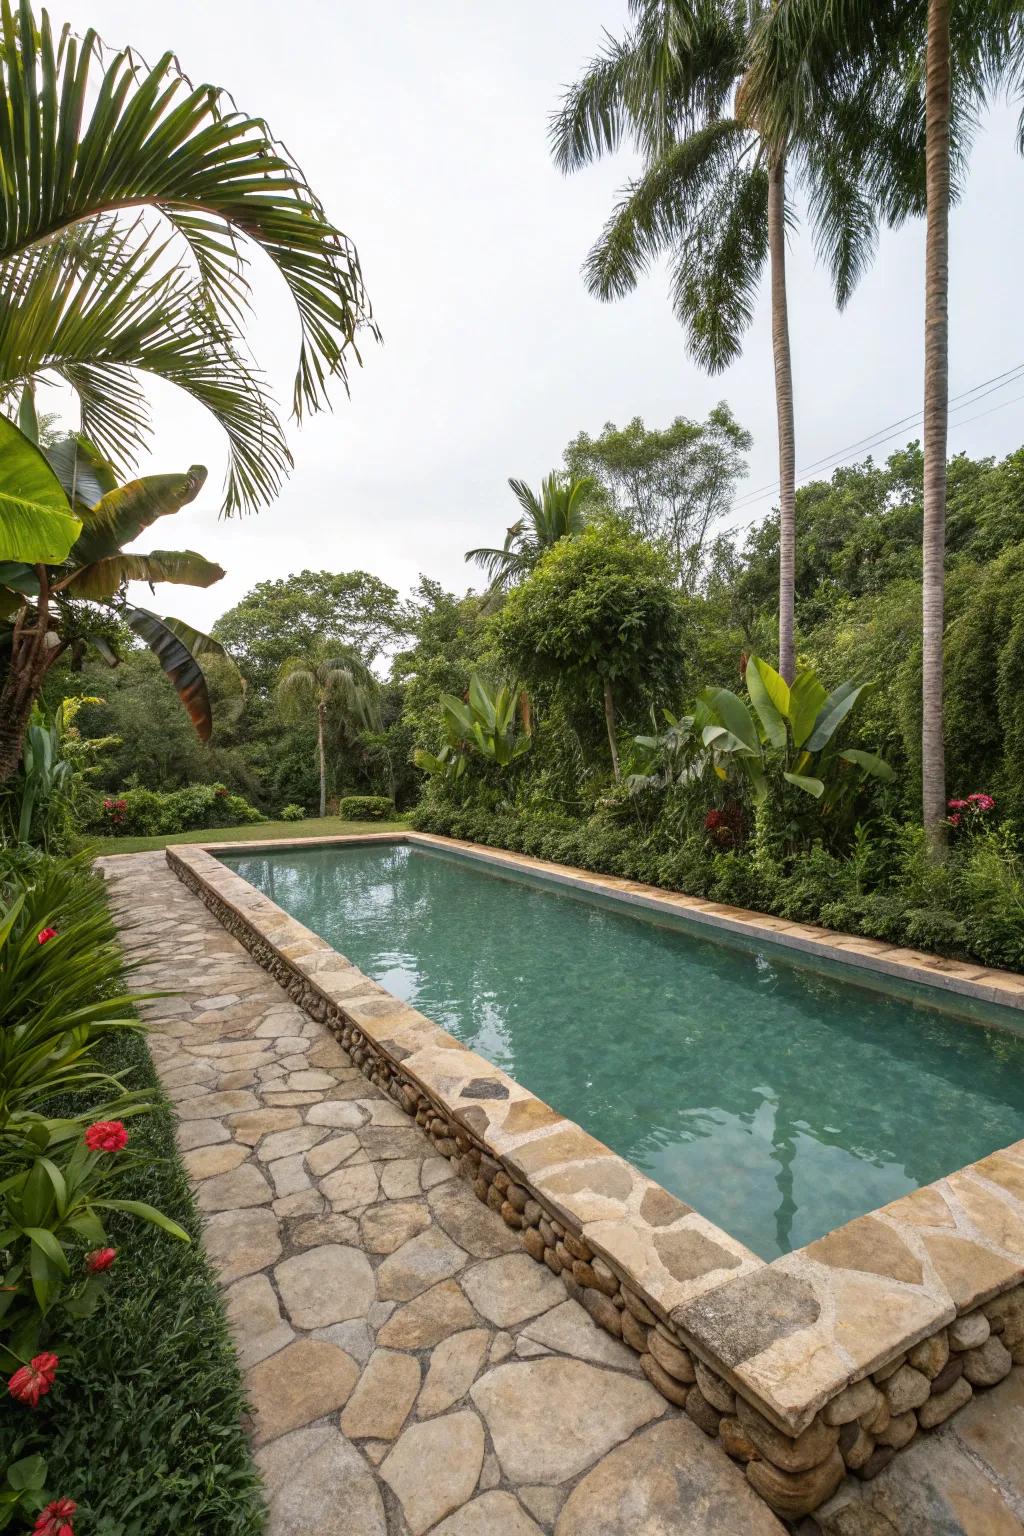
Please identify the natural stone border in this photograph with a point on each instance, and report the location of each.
(825, 1361)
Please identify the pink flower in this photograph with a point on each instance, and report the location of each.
(55, 1519)
(956, 805)
(981, 801)
(106, 1136)
(31, 1382)
(954, 820)
(102, 1259)
(45, 935)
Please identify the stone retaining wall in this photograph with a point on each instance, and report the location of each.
(795, 1464)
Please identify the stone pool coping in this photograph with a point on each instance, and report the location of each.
(789, 1336)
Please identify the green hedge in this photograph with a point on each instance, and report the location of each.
(365, 808)
(970, 907)
(151, 812)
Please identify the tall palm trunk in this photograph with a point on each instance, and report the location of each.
(609, 720)
(321, 711)
(936, 412)
(784, 413)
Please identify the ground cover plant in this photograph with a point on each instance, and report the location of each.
(144, 1426)
(91, 1192)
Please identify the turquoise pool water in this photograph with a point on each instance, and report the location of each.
(778, 1100)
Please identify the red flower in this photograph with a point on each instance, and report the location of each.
(31, 1382)
(956, 805)
(102, 1259)
(45, 935)
(981, 801)
(106, 1136)
(55, 1519)
(713, 819)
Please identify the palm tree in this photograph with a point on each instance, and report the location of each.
(557, 513)
(712, 192)
(330, 679)
(131, 199)
(927, 65)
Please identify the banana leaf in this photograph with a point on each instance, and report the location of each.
(37, 525)
(180, 665)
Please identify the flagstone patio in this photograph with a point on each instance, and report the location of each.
(410, 1368)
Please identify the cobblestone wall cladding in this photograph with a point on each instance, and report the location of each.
(829, 1359)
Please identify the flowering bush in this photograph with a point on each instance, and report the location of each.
(56, 1200)
(725, 827)
(969, 813)
(115, 814)
(152, 813)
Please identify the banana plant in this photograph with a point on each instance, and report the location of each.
(42, 612)
(491, 723)
(785, 729)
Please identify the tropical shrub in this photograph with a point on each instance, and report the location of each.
(491, 728)
(365, 808)
(599, 621)
(884, 887)
(293, 813)
(61, 995)
(152, 813)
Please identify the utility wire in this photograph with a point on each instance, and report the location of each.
(877, 440)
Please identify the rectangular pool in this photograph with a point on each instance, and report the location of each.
(780, 1097)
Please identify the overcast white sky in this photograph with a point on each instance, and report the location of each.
(423, 127)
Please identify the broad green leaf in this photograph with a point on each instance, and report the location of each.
(60, 1188)
(81, 469)
(28, 421)
(37, 526)
(104, 578)
(428, 762)
(811, 786)
(30, 1472)
(735, 716)
(770, 697)
(123, 513)
(19, 577)
(805, 700)
(180, 666)
(481, 701)
(833, 712)
(756, 774)
(872, 764)
(147, 1213)
(51, 1247)
(40, 1270)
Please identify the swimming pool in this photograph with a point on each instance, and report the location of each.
(779, 1099)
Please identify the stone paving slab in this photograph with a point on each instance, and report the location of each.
(410, 1369)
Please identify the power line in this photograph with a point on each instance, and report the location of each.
(877, 439)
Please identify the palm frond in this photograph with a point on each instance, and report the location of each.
(593, 115)
(718, 268)
(659, 209)
(142, 135)
(102, 306)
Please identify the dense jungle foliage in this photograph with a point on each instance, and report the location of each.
(608, 637)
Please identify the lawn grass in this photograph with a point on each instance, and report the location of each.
(313, 826)
(144, 1428)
